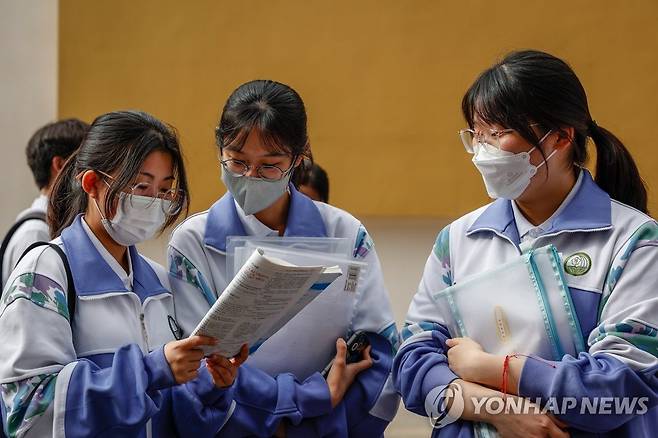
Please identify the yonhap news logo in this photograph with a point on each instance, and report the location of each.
(445, 405)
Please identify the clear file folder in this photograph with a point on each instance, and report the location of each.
(336, 246)
(522, 306)
(306, 343)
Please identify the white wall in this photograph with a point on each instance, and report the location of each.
(28, 94)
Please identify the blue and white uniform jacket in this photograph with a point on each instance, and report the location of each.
(107, 375)
(614, 289)
(197, 266)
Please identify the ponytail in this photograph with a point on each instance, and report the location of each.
(616, 171)
(67, 199)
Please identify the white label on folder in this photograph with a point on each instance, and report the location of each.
(352, 278)
(502, 326)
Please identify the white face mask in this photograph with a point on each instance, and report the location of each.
(138, 218)
(506, 174)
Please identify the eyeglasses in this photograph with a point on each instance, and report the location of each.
(266, 171)
(176, 197)
(470, 137)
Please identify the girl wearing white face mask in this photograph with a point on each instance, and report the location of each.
(529, 124)
(110, 365)
(262, 139)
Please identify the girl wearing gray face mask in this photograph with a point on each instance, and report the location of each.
(263, 140)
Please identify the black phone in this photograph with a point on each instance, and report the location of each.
(355, 346)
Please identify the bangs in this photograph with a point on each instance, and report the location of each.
(235, 138)
(496, 99)
(492, 100)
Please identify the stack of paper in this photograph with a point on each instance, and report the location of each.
(264, 295)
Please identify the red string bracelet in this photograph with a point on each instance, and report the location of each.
(505, 382)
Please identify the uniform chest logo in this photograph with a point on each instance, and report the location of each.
(578, 264)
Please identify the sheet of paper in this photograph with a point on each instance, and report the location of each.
(307, 341)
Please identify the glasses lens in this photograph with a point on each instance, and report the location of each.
(468, 139)
(174, 201)
(235, 167)
(142, 189)
(271, 173)
(139, 195)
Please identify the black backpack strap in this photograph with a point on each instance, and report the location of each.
(40, 216)
(71, 295)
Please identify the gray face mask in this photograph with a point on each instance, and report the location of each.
(254, 194)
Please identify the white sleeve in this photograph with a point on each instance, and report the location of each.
(191, 282)
(34, 353)
(628, 322)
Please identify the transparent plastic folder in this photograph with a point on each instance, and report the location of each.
(306, 343)
(522, 306)
(337, 246)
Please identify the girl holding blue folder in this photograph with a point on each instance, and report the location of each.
(262, 140)
(528, 127)
(87, 349)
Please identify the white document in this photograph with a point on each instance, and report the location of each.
(260, 299)
(307, 341)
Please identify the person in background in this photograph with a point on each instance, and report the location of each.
(313, 182)
(46, 151)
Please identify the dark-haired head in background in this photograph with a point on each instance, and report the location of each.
(46, 152)
(50, 146)
(313, 182)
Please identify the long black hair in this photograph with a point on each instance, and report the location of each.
(529, 87)
(275, 109)
(119, 140)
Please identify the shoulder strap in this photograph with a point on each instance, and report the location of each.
(71, 295)
(5, 242)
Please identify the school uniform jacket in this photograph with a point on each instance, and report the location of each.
(107, 375)
(197, 265)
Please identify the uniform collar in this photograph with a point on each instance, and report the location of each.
(304, 219)
(125, 277)
(40, 203)
(588, 210)
(252, 226)
(524, 226)
(92, 275)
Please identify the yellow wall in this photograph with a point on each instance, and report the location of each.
(382, 80)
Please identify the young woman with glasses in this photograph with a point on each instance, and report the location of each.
(528, 128)
(87, 348)
(262, 140)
